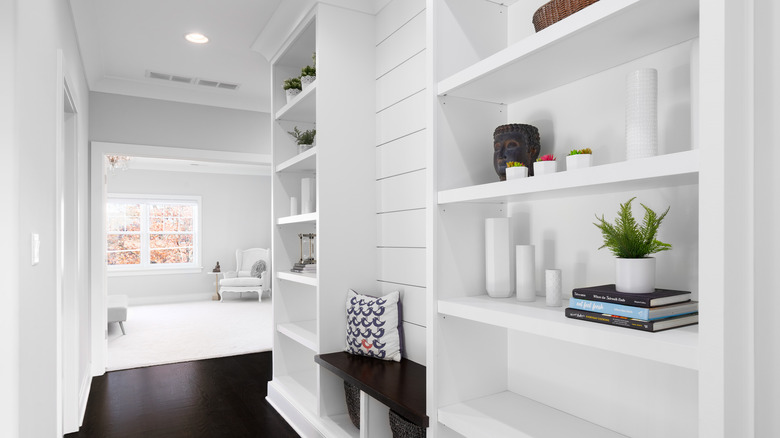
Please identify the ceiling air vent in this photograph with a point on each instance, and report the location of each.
(188, 80)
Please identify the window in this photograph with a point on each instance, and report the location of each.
(152, 232)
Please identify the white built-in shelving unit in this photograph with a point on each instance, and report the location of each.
(499, 367)
(309, 309)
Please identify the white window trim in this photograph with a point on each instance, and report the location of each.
(156, 269)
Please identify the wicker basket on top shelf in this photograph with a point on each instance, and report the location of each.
(556, 10)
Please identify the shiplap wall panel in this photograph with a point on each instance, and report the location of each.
(401, 82)
(402, 265)
(401, 229)
(403, 155)
(403, 118)
(412, 300)
(414, 342)
(393, 16)
(401, 45)
(402, 192)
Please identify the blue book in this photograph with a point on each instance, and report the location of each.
(635, 312)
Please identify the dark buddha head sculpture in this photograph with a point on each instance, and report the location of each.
(515, 142)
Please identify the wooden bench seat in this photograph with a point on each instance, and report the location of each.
(398, 385)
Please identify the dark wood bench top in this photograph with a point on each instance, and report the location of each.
(399, 385)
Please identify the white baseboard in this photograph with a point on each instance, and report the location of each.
(290, 413)
(86, 386)
(167, 299)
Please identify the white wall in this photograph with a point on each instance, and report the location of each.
(400, 163)
(9, 228)
(235, 213)
(136, 120)
(42, 28)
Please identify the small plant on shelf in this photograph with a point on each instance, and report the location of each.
(632, 243)
(292, 84)
(548, 157)
(292, 87)
(309, 73)
(580, 151)
(515, 170)
(304, 139)
(579, 159)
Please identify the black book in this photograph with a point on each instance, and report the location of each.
(608, 294)
(637, 324)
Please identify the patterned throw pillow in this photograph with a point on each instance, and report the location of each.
(372, 325)
(258, 268)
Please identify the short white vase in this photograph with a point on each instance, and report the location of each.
(579, 161)
(545, 167)
(635, 276)
(516, 173)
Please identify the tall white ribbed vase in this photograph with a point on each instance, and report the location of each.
(642, 114)
(525, 266)
(552, 287)
(499, 258)
(308, 197)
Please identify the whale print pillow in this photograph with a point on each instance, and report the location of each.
(372, 325)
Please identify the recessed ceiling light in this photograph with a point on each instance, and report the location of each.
(197, 38)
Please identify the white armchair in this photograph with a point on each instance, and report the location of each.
(253, 268)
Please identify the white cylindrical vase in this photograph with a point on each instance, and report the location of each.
(293, 206)
(499, 258)
(525, 283)
(695, 93)
(635, 276)
(308, 197)
(552, 286)
(642, 114)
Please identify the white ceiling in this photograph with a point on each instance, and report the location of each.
(122, 40)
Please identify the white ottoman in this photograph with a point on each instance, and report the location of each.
(117, 310)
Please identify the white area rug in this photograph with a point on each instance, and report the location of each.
(180, 332)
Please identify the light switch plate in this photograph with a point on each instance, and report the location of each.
(35, 246)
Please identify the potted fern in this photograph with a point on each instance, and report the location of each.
(305, 139)
(632, 243)
(579, 159)
(545, 165)
(292, 87)
(516, 170)
(309, 73)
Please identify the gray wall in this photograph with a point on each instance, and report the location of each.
(235, 213)
(136, 120)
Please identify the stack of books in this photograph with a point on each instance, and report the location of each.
(652, 312)
(305, 268)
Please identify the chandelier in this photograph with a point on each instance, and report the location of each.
(117, 162)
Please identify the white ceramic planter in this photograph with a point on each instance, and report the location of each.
(545, 167)
(306, 81)
(291, 93)
(516, 172)
(579, 161)
(635, 276)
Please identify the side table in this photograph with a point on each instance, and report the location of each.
(216, 275)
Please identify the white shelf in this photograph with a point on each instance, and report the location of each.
(604, 35)
(302, 107)
(303, 162)
(676, 169)
(302, 332)
(507, 414)
(297, 219)
(308, 279)
(676, 347)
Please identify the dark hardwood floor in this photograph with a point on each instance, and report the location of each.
(223, 397)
